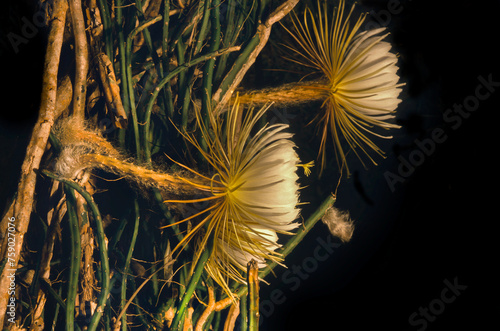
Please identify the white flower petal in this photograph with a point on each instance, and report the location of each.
(361, 74)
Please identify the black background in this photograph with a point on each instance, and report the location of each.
(439, 224)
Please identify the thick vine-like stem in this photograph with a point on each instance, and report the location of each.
(23, 204)
(81, 57)
(248, 56)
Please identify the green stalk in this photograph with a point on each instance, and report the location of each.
(207, 325)
(187, 98)
(118, 234)
(180, 50)
(208, 71)
(108, 32)
(164, 40)
(233, 28)
(238, 64)
(184, 85)
(302, 232)
(172, 74)
(182, 280)
(168, 215)
(74, 269)
(154, 279)
(108, 310)
(203, 29)
(230, 34)
(133, 111)
(147, 37)
(148, 84)
(123, 65)
(101, 240)
(58, 305)
(186, 81)
(217, 319)
(193, 282)
(166, 97)
(53, 292)
(126, 266)
(56, 144)
(243, 313)
(169, 104)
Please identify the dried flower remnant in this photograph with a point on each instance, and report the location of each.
(339, 223)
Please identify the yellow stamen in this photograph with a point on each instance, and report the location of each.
(307, 167)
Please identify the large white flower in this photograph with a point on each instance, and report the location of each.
(254, 191)
(360, 86)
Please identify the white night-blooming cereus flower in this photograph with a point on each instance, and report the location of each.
(254, 193)
(360, 84)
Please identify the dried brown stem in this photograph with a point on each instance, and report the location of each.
(233, 313)
(169, 316)
(23, 204)
(111, 90)
(206, 313)
(223, 304)
(54, 217)
(188, 320)
(253, 295)
(88, 246)
(153, 9)
(263, 32)
(81, 56)
(64, 96)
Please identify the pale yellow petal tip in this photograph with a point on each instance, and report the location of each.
(307, 167)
